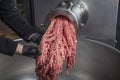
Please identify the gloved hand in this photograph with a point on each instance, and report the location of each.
(30, 51)
(35, 38)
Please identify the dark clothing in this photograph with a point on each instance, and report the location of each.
(7, 46)
(11, 16)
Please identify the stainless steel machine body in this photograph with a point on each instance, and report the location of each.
(101, 23)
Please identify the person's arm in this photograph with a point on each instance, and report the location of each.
(11, 16)
(9, 47)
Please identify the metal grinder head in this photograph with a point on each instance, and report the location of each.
(75, 10)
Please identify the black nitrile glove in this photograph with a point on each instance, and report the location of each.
(30, 51)
(35, 38)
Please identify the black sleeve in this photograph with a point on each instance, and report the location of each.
(11, 16)
(7, 46)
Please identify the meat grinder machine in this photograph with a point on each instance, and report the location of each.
(96, 24)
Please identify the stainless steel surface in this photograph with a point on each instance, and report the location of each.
(102, 21)
(77, 13)
(94, 61)
(101, 24)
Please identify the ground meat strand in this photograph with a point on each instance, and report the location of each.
(58, 46)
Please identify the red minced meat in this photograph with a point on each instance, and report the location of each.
(58, 46)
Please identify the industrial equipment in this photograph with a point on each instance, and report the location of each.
(96, 25)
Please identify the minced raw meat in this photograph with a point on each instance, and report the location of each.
(58, 46)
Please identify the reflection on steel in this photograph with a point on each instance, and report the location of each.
(20, 39)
